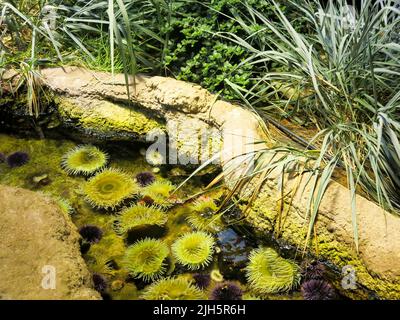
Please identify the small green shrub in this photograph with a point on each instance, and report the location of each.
(195, 54)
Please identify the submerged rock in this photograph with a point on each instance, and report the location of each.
(39, 250)
(233, 255)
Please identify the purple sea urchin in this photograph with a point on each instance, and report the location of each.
(99, 282)
(314, 270)
(317, 290)
(145, 178)
(90, 233)
(226, 291)
(202, 280)
(17, 159)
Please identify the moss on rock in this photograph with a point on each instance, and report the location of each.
(106, 119)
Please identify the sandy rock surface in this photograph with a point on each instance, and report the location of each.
(39, 251)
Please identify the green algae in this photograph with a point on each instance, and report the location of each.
(104, 118)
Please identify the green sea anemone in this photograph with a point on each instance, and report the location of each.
(139, 215)
(65, 206)
(154, 158)
(172, 289)
(216, 276)
(267, 272)
(84, 160)
(194, 250)
(202, 216)
(146, 259)
(109, 188)
(158, 192)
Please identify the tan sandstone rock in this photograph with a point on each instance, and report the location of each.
(35, 240)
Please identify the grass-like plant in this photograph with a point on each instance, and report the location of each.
(341, 80)
(113, 34)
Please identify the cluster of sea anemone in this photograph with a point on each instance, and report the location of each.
(146, 259)
(139, 215)
(202, 216)
(109, 188)
(84, 159)
(194, 250)
(267, 272)
(172, 289)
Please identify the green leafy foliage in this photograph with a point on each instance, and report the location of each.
(194, 52)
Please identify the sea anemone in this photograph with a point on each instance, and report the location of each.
(226, 291)
(202, 280)
(314, 270)
(84, 160)
(158, 192)
(146, 259)
(90, 233)
(17, 159)
(194, 250)
(154, 158)
(99, 282)
(109, 188)
(139, 215)
(267, 272)
(172, 289)
(317, 290)
(203, 217)
(216, 275)
(145, 178)
(65, 205)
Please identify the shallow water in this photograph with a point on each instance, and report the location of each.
(43, 173)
